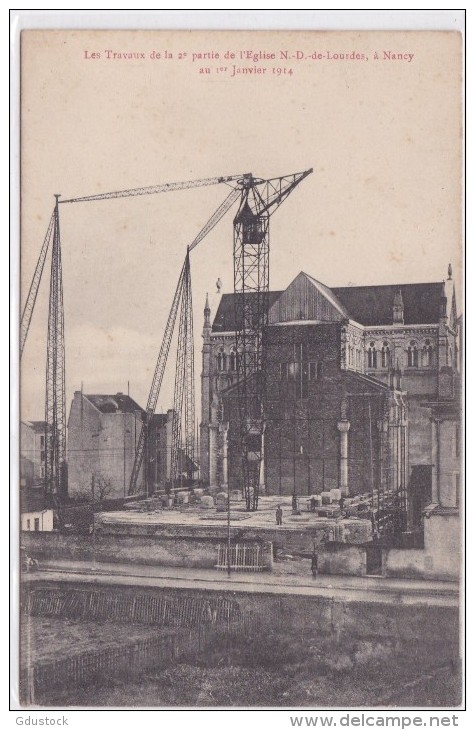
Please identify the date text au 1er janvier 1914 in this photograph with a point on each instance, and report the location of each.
(254, 57)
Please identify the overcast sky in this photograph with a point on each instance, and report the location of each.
(383, 204)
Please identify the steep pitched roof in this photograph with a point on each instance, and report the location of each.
(328, 293)
(307, 299)
(225, 321)
(373, 305)
(118, 403)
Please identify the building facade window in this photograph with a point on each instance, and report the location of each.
(232, 360)
(315, 370)
(385, 355)
(427, 354)
(372, 356)
(221, 358)
(28, 525)
(37, 524)
(412, 355)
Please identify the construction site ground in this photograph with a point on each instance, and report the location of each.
(264, 516)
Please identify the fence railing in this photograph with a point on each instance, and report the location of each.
(242, 557)
(195, 621)
(147, 608)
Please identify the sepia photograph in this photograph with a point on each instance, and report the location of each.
(241, 369)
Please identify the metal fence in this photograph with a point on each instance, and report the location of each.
(242, 557)
(147, 608)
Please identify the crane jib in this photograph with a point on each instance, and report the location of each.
(153, 189)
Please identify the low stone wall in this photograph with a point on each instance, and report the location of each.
(184, 552)
(441, 557)
(197, 547)
(336, 559)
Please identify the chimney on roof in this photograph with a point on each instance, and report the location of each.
(398, 308)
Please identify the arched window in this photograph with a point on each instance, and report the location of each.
(232, 360)
(225, 357)
(427, 354)
(385, 355)
(221, 358)
(372, 362)
(412, 357)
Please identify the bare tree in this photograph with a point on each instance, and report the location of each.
(96, 491)
(100, 488)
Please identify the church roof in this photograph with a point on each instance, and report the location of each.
(373, 305)
(225, 319)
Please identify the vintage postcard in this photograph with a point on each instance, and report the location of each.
(241, 342)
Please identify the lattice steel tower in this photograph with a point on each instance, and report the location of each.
(55, 402)
(259, 199)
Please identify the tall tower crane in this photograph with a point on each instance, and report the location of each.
(55, 400)
(184, 282)
(259, 199)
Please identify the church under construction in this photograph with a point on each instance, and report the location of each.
(362, 393)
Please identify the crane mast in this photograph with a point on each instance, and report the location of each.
(259, 199)
(55, 401)
(182, 452)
